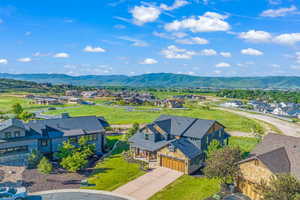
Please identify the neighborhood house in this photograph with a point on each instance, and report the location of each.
(276, 154)
(176, 142)
(18, 139)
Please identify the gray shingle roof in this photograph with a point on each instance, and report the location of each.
(187, 147)
(80, 125)
(280, 153)
(184, 126)
(138, 140)
(11, 122)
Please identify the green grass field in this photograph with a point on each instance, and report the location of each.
(188, 188)
(114, 171)
(122, 116)
(246, 144)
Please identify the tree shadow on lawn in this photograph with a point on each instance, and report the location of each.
(97, 171)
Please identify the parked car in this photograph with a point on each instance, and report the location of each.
(52, 108)
(9, 193)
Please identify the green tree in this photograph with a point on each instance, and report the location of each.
(45, 166)
(17, 109)
(65, 150)
(222, 164)
(85, 147)
(135, 127)
(33, 159)
(26, 116)
(213, 147)
(281, 187)
(74, 162)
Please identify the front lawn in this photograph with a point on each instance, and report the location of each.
(188, 188)
(114, 171)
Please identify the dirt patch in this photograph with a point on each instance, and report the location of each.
(34, 181)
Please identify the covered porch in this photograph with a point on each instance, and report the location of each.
(144, 155)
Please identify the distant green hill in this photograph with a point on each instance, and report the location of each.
(161, 80)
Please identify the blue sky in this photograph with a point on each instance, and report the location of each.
(196, 37)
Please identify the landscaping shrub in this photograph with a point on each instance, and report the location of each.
(45, 166)
(34, 159)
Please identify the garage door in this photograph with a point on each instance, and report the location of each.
(172, 163)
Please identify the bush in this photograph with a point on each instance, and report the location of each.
(75, 162)
(45, 166)
(34, 159)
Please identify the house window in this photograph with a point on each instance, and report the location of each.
(146, 136)
(44, 143)
(172, 148)
(8, 135)
(256, 163)
(9, 150)
(17, 134)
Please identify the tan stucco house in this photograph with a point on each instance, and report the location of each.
(276, 154)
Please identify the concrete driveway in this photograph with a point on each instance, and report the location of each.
(147, 185)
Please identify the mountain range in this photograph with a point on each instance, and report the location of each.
(162, 80)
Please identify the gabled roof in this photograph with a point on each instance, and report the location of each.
(80, 125)
(184, 126)
(11, 122)
(279, 153)
(187, 148)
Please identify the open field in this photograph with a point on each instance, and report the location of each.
(118, 115)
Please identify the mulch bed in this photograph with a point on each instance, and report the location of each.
(35, 181)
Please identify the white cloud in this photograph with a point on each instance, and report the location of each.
(27, 59)
(176, 4)
(61, 55)
(275, 65)
(135, 42)
(256, 36)
(93, 49)
(279, 12)
(3, 61)
(180, 34)
(37, 54)
(209, 22)
(252, 52)
(208, 52)
(297, 67)
(193, 40)
(223, 64)
(288, 38)
(173, 52)
(149, 61)
(225, 54)
(274, 2)
(142, 14)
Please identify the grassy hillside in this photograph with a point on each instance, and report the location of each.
(162, 80)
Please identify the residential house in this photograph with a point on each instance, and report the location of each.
(276, 154)
(233, 104)
(89, 94)
(72, 93)
(18, 139)
(170, 103)
(46, 101)
(176, 142)
(190, 97)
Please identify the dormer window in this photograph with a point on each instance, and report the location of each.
(172, 148)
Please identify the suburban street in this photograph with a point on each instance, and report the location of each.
(287, 128)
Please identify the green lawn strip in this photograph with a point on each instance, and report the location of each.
(188, 188)
(246, 144)
(233, 122)
(114, 171)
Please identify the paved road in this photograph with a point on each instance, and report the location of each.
(287, 128)
(76, 194)
(147, 185)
